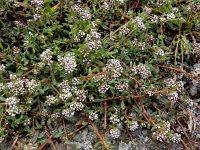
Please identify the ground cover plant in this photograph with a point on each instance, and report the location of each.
(109, 66)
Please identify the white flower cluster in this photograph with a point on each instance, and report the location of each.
(175, 9)
(180, 86)
(173, 97)
(87, 145)
(114, 119)
(162, 19)
(142, 45)
(189, 102)
(103, 88)
(93, 40)
(169, 82)
(74, 89)
(76, 81)
(26, 42)
(196, 47)
(27, 122)
(30, 146)
(36, 17)
(81, 95)
(121, 87)
(37, 3)
(12, 76)
(171, 16)
(93, 116)
(2, 87)
(120, 1)
(124, 30)
(133, 126)
(65, 88)
(16, 86)
(16, 50)
(142, 70)
(115, 133)
(31, 85)
(114, 66)
(150, 93)
(19, 86)
(65, 96)
(140, 23)
(154, 19)
(50, 100)
(79, 35)
(44, 113)
(84, 13)
(176, 138)
(147, 9)
(68, 113)
(68, 62)
(38, 67)
(91, 98)
(161, 2)
(13, 109)
(46, 57)
(76, 106)
(160, 52)
(162, 130)
(19, 23)
(106, 6)
(2, 67)
(12, 101)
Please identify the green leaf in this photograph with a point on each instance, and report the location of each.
(57, 134)
(41, 135)
(38, 124)
(122, 105)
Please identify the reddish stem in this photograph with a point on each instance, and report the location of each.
(105, 115)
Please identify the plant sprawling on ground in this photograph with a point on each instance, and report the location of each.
(110, 65)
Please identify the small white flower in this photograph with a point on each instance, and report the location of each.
(93, 116)
(173, 96)
(140, 23)
(68, 62)
(124, 30)
(106, 6)
(133, 126)
(176, 138)
(46, 56)
(68, 113)
(12, 100)
(160, 52)
(143, 71)
(51, 100)
(114, 119)
(37, 3)
(103, 88)
(171, 16)
(19, 23)
(2, 67)
(36, 17)
(120, 1)
(115, 133)
(87, 145)
(93, 40)
(76, 106)
(65, 96)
